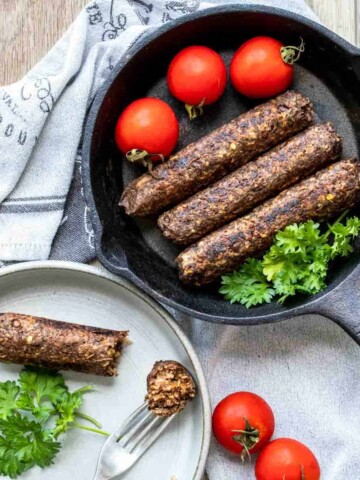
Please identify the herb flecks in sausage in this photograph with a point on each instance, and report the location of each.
(243, 189)
(226, 249)
(29, 340)
(170, 387)
(213, 156)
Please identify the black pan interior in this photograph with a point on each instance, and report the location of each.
(328, 73)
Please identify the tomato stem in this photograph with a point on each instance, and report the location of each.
(195, 110)
(248, 438)
(145, 158)
(291, 54)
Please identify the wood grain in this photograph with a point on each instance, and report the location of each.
(357, 22)
(28, 28)
(340, 16)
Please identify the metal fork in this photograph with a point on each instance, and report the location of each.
(129, 442)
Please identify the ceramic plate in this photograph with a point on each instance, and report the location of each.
(82, 294)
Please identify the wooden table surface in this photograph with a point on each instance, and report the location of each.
(28, 28)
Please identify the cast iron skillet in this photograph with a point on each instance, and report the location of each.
(328, 73)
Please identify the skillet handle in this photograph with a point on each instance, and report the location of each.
(342, 305)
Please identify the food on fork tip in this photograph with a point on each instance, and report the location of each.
(29, 340)
(319, 197)
(170, 387)
(243, 189)
(217, 154)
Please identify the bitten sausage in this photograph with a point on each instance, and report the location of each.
(240, 191)
(218, 153)
(170, 387)
(29, 340)
(320, 196)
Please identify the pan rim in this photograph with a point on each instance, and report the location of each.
(309, 305)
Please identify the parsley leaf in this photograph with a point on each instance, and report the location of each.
(9, 463)
(343, 235)
(66, 411)
(297, 262)
(8, 398)
(38, 447)
(247, 286)
(298, 238)
(40, 389)
(24, 444)
(25, 439)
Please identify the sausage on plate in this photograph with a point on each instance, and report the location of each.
(240, 191)
(218, 153)
(29, 340)
(320, 196)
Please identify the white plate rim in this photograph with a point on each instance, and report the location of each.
(94, 271)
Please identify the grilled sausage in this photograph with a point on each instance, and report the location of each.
(320, 196)
(29, 340)
(217, 154)
(249, 185)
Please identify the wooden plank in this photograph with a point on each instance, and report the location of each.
(338, 15)
(357, 22)
(28, 28)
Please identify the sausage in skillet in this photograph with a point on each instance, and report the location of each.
(218, 153)
(320, 196)
(249, 185)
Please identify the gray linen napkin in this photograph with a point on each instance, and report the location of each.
(306, 367)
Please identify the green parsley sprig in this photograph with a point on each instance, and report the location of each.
(297, 262)
(34, 412)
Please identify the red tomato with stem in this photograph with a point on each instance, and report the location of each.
(263, 67)
(286, 459)
(197, 77)
(147, 125)
(243, 423)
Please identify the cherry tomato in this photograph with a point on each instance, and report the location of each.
(147, 124)
(243, 423)
(197, 76)
(287, 459)
(258, 68)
